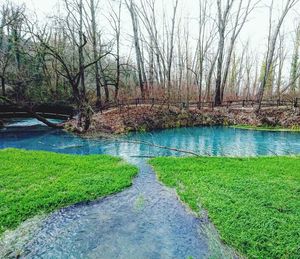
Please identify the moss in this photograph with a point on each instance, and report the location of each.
(143, 128)
(267, 128)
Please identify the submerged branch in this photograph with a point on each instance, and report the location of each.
(160, 146)
(147, 143)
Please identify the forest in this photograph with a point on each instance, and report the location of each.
(87, 53)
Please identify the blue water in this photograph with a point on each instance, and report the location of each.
(146, 220)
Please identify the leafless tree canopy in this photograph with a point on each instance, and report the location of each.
(87, 55)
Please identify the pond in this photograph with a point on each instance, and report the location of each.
(146, 220)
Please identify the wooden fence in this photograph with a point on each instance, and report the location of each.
(60, 111)
(200, 105)
(51, 111)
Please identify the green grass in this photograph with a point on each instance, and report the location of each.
(267, 128)
(253, 202)
(34, 183)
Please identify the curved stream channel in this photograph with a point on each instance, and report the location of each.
(144, 221)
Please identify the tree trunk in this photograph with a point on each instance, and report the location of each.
(118, 76)
(94, 42)
(271, 50)
(170, 59)
(3, 86)
(104, 84)
(218, 100)
(139, 61)
(80, 49)
(209, 78)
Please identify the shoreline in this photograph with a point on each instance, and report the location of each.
(148, 119)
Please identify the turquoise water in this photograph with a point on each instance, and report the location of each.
(203, 140)
(146, 220)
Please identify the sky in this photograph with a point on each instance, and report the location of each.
(255, 30)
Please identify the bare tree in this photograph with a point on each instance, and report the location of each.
(206, 37)
(171, 50)
(77, 59)
(281, 57)
(295, 66)
(73, 65)
(209, 78)
(95, 43)
(4, 51)
(240, 20)
(115, 21)
(272, 40)
(136, 37)
(223, 17)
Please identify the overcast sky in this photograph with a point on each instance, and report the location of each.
(255, 30)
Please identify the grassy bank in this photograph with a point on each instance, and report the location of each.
(41, 182)
(253, 202)
(267, 128)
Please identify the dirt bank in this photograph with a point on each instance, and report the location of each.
(147, 118)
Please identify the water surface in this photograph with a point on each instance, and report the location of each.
(146, 220)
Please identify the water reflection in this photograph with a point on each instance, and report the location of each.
(205, 141)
